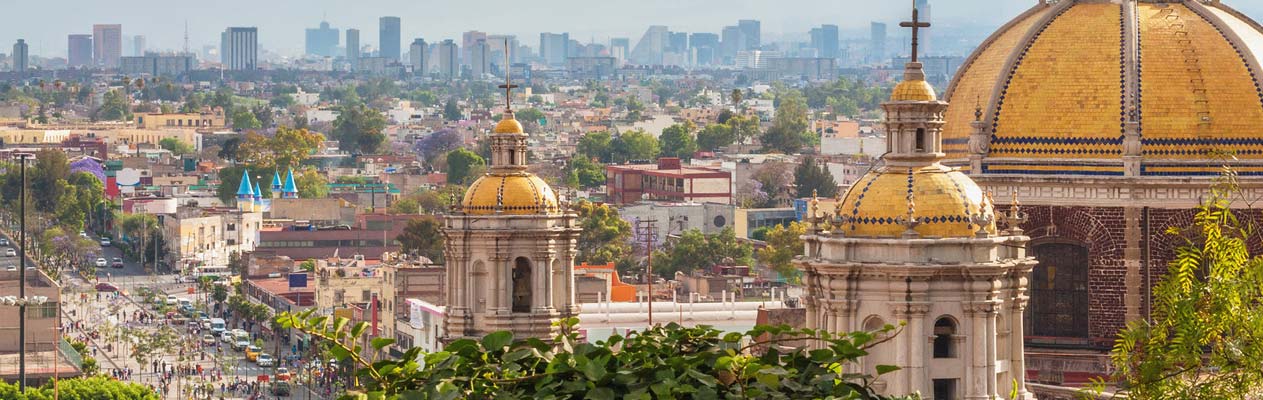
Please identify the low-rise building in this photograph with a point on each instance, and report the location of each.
(667, 180)
(208, 236)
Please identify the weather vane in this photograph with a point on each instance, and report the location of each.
(508, 85)
(916, 26)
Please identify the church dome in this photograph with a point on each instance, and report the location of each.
(508, 125)
(1070, 87)
(513, 194)
(943, 201)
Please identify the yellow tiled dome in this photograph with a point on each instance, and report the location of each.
(913, 90)
(943, 202)
(514, 193)
(1057, 86)
(508, 125)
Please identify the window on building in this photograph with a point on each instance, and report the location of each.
(366, 295)
(920, 144)
(522, 285)
(944, 389)
(944, 344)
(339, 296)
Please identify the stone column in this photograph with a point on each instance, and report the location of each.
(1132, 261)
(980, 372)
(917, 338)
(1017, 358)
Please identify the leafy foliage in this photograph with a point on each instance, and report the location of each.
(595, 145)
(677, 141)
(582, 172)
(89, 388)
(605, 237)
(244, 119)
(812, 178)
(461, 165)
(633, 145)
(311, 184)
(714, 136)
(694, 250)
(783, 244)
(423, 237)
(789, 133)
(114, 107)
(359, 129)
(1206, 337)
(176, 146)
(666, 362)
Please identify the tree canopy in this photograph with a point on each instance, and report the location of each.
(634, 146)
(694, 250)
(85, 388)
(814, 179)
(789, 133)
(359, 129)
(461, 165)
(423, 237)
(606, 237)
(783, 244)
(176, 146)
(677, 141)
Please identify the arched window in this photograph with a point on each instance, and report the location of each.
(920, 144)
(479, 289)
(944, 330)
(1059, 291)
(521, 285)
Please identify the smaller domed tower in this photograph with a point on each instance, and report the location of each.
(510, 248)
(916, 242)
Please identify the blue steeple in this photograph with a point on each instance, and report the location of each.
(291, 190)
(245, 191)
(258, 192)
(276, 181)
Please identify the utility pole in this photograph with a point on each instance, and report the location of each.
(647, 228)
(22, 285)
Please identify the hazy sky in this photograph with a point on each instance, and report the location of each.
(45, 24)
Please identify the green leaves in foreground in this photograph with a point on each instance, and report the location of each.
(665, 362)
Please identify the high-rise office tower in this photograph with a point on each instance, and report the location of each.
(753, 32)
(138, 45)
(21, 56)
(353, 47)
(705, 46)
(322, 41)
(388, 38)
(877, 43)
(923, 14)
(825, 40)
(619, 48)
(479, 58)
(417, 56)
(678, 42)
(554, 48)
(495, 44)
(107, 44)
(449, 66)
(652, 44)
(732, 40)
(467, 41)
(239, 48)
(78, 50)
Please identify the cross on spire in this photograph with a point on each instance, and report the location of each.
(916, 24)
(508, 85)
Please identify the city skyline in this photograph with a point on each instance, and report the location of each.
(600, 22)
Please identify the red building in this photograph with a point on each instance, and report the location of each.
(667, 180)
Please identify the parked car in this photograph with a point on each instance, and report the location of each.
(172, 300)
(10, 252)
(264, 360)
(116, 263)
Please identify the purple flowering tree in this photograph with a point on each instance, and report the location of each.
(90, 166)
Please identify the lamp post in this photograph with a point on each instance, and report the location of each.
(22, 285)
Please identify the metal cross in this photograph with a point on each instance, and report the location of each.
(508, 85)
(916, 26)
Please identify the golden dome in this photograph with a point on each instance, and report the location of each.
(913, 90)
(1059, 84)
(513, 194)
(943, 201)
(509, 125)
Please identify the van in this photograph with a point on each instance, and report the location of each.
(217, 326)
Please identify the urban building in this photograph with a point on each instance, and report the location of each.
(732, 40)
(353, 47)
(939, 70)
(138, 45)
(154, 64)
(652, 45)
(479, 59)
(21, 56)
(42, 335)
(752, 31)
(877, 43)
(417, 57)
(510, 248)
(667, 180)
(810, 69)
(674, 218)
(208, 236)
(704, 46)
(554, 48)
(467, 42)
(371, 236)
(322, 41)
(239, 48)
(449, 66)
(620, 48)
(825, 40)
(598, 68)
(107, 45)
(389, 38)
(209, 120)
(78, 50)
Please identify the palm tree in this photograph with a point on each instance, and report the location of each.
(736, 98)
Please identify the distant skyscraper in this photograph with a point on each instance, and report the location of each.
(678, 42)
(877, 43)
(239, 48)
(417, 56)
(705, 46)
(78, 50)
(467, 41)
(495, 44)
(825, 40)
(479, 58)
(322, 41)
(652, 44)
(753, 32)
(353, 47)
(107, 44)
(554, 48)
(388, 38)
(448, 64)
(138, 45)
(619, 47)
(732, 40)
(923, 13)
(21, 56)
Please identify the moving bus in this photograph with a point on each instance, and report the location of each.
(217, 271)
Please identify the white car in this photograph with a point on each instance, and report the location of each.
(9, 252)
(105, 243)
(172, 300)
(208, 339)
(226, 337)
(102, 263)
(264, 360)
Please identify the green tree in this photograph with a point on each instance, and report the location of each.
(359, 129)
(176, 146)
(814, 179)
(744, 128)
(634, 145)
(114, 107)
(736, 96)
(311, 184)
(290, 147)
(529, 114)
(783, 244)
(789, 133)
(605, 237)
(677, 141)
(244, 119)
(423, 237)
(460, 165)
(595, 145)
(1205, 340)
(583, 173)
(82, 388)
(47, 179)
(406, 205)
(451, 111)
(694, 250)
(714, 136)
(219, 293)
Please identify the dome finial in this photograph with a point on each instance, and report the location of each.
(508, 85)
